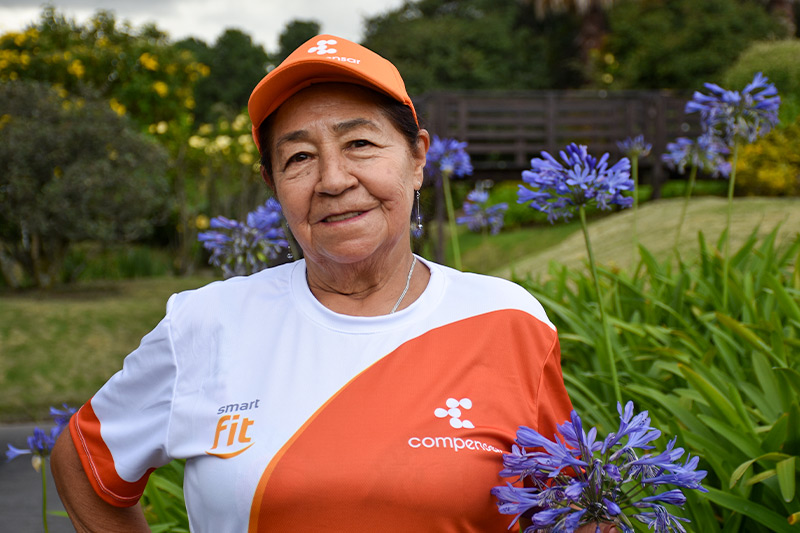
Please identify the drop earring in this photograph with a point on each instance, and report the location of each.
(418, 230)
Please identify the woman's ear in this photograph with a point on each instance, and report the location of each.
(420, 154)
(267, 178)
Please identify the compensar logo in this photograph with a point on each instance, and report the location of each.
(322, 47)
(232, 435)
(454, 413)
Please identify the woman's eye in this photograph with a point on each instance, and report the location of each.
(360, 143)
(297, 158)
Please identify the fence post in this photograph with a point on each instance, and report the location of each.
(659, 143)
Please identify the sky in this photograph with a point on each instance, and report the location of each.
(263, 20)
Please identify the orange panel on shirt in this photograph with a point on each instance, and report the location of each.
(98, 463)
(388, 453)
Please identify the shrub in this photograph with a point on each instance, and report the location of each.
(73, 171)
(771, 165)
(516, 214)
(780, 62)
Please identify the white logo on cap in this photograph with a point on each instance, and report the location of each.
(454, 412)
(322, 47)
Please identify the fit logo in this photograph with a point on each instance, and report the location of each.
(454, 412)
(230, 436)
(322, 47)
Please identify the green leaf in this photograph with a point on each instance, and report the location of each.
(776, 436)
(776, 336)
(786, 478)
(785, 301)
(742, 468)
(674, 409)
(746, 444)
(793, 376)
(767, 380)
(792, 443)
(761, 476)
(167, 486)
(744, 333)
(716, 400)
(759, 513)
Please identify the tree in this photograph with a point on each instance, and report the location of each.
(235, 66)
(680, 43)
(593, 25)
(295, 33)
(73, 170)
(473, 44)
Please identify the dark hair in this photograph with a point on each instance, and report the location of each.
(399, 114)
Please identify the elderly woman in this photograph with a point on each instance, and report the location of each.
(360, 389)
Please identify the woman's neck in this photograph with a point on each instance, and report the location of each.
(368, 289)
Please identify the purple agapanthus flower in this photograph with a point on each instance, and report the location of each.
(738, 115)
(41, 443)
(705, 153)
(635, 146)
(478, 215)
(447, 156)
(574, 479)
(241, 248)
(61, 416)
(558, 188)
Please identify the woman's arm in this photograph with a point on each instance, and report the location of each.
(88, 512)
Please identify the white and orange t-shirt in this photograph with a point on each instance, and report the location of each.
(296, 418)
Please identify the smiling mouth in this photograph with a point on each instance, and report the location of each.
(345, 216)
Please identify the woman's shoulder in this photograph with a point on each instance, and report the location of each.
(270, 282)
(484, 293)
(481, 282)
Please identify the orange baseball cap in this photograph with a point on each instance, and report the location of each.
(323, 59)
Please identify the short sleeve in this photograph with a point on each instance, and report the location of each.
(554, 405)
(121, 433)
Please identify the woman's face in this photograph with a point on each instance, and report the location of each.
(344, 175)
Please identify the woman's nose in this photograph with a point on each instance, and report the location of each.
(334, 175)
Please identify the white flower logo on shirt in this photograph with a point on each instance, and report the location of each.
(454, 412)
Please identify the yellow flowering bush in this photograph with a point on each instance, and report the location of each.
(771, 165)
(139, 72)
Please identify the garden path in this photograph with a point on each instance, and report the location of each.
(21, 489)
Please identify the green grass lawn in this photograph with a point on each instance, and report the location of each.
(62, 345)
(612, 236)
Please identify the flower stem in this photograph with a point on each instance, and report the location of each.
(635, 176)
(452, 219)
(689, 188)
(44, 495)
(727, 261)
(612, 364)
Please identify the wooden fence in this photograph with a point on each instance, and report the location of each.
(506, 129)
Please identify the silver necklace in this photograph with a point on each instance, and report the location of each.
(408, 284)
